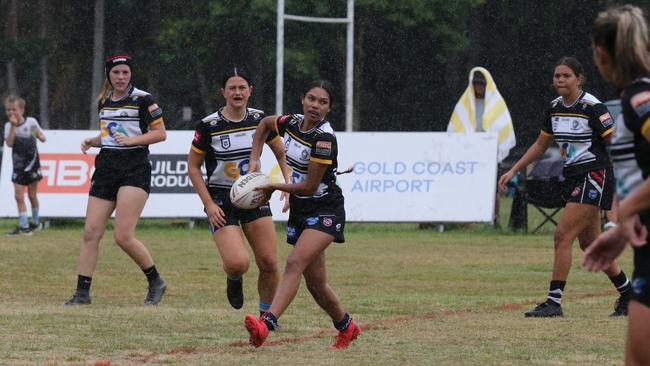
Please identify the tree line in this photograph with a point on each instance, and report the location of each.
(412, 57)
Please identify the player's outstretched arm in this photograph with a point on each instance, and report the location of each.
(533, 153)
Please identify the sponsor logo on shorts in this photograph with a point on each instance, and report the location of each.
(312, 220)
(593, 194)
(338, 227)
(639, 285)
(291, 232)
(327, 222)
(576, 191)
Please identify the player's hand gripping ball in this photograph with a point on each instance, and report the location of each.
(243, 193)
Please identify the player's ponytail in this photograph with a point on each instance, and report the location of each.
(106, 88)
(623, 33)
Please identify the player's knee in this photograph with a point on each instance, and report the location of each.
(561, 238)
(91, 233)
(19, 197)
(294, 265)
(123, 239)
(267, 263)
(236, 266)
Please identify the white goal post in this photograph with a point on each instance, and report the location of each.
(349, 59)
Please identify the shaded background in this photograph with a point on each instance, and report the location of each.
(412, 58)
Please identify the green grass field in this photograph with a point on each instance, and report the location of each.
(422, 298)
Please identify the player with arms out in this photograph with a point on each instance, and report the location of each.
(21, 134)
(317, 216)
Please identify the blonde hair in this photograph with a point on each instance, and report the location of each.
(15, 99)
(106, 88)
(623, 33)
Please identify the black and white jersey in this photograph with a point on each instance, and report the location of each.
(227, 145)
(580, 130)
(131, 115)
(627, 172)
(318, 145)
(635, 102)
(24, 153)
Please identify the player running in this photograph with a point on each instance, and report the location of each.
(317, 216)
(223, 141)
(130, 120)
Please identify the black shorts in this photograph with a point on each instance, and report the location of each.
(328, 220)
(235, 215)
(641, 276)
(118, 168)
(595, 187)
(25, 178)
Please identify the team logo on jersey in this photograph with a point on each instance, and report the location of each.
(575, 124)
(606, 119)
(304, 155)
(324, 148)
(327, 222)
(155, 111)
(225, 142)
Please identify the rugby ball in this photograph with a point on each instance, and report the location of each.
(243, 194)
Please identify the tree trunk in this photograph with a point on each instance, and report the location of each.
(43, 102)
(98, 63)
(359, 57)
(203, 88)
(11, 27)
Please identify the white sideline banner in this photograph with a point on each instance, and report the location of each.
(397, 176)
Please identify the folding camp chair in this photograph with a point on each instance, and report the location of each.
(546, 196)
(543, 186)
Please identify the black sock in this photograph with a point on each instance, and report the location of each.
(83, 283)
(270, 320)
(151, 273)
(555, 291)
(621, 282)
(344, 323)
